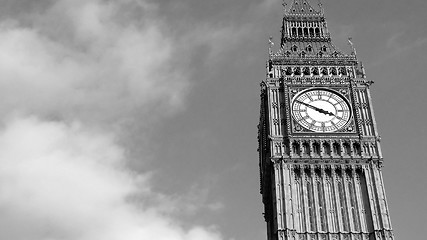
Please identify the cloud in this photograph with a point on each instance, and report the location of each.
(72, 80)
(62, 181)
(93, 67)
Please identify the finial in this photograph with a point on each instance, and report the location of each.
(284, 4)
(270, 44)
(321, 6)
(353, 49)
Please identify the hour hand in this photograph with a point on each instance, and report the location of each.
(325, 112)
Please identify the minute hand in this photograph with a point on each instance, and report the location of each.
(317, 109)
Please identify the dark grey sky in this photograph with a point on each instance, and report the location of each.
(140, 117)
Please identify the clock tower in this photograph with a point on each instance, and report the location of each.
(319, 148)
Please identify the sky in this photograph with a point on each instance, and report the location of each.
(137, 119)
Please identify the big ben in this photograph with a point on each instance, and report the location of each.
(319, 147)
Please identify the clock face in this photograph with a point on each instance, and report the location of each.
(321, 110)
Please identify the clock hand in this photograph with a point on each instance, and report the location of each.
(317, 109)
(325, 112)
(308, 105)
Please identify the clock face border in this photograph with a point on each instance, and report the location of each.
(343, 94)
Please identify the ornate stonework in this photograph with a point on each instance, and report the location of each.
(319, 148)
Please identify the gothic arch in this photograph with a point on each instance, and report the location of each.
(316, 149)
(317, 32)
(306, 32)
(315, 71)
(325, 71)
(306, 148)
(296, 148)
(356, 149)
(294, 48)
(294, 32)
(347, 148)
(327, 148)
(336, 148)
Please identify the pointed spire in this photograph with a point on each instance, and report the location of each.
(353, 49)
(270, 45)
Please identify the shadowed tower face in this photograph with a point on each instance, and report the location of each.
(319, 149)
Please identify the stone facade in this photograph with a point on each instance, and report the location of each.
(319, 148)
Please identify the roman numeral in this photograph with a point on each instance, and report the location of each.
(323, 127)
(335, 126)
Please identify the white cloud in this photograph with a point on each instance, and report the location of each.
(62, 181)
(68, 82)
(97, 70)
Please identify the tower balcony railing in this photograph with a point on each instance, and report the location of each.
(325, 36)
(293, 15)
(292, 57)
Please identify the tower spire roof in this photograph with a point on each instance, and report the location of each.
(305, 32)
(302, 7)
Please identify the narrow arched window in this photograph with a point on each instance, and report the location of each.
(365, 149)
(310, 201)
(316, 149)
(306, 148)
(327, 148)
(296, 148)
(299, 32)
(305, 32)
(294, 32)
(347, 149)
(311, 32)
(317, 32)
(307, 71)
(342, 196)
(336, 148)
(356, 149)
